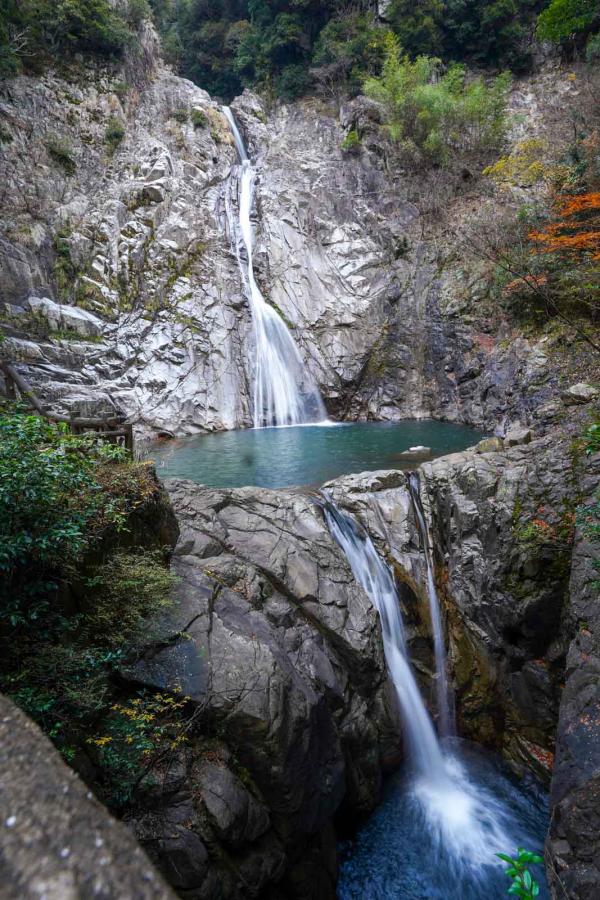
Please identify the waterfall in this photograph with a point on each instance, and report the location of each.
(465, 822)
(284, 391)
(375, 577)
(444, 699)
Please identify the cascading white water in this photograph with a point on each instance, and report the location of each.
(371, 572)
(284, 391)
(465, 822)
(444, 699)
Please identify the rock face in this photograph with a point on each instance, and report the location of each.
(279, 652)
(133, 242)
(574, 841)
(58, 842)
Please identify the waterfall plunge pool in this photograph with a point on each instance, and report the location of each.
(303, 454)
(400, 854)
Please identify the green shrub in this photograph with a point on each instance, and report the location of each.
(433, 115)
(563, 20)
(180, 115)
(122, 592)
(121, 89)
(35, 32)
(61, 151)
(351, 142)
(523, 884)
(349, 49)
(198, 118)
(114, 134)
(58, 495)
(592, 49)
(137, 12)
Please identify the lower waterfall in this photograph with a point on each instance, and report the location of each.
(444, 700)
(464, 822)
(285, 393)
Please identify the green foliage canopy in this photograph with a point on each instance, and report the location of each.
(433, 114)
(35, 31)
(566, 19)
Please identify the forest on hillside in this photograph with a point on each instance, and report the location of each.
(290, 47)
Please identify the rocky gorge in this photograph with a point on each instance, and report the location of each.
(121, 291)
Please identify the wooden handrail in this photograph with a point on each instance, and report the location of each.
(118, 423)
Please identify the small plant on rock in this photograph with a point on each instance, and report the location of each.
(180, 115)
(115, 132)
(523, 884)
(61, 152)
(351, 142)
(198, 118)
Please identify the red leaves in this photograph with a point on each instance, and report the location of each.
(577, 229)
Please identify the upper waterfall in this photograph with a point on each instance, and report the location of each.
(285, 393)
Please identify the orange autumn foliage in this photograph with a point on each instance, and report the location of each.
(577, 229)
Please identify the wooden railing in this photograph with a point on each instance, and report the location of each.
(113, 428)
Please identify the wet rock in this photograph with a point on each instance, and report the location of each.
(237, 817)
(414, 455)
(56, 840)
(490, 445)
(574, 840)
(516, 436)
(579, 393)
(276, 644)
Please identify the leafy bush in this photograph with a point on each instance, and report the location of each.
(115, 132)
(351, 142)
(198, 118)
(60, 672)
(349, 49)
(137, 11)
(564, 20)
(523, 884)
(58, 495)
(48, 495)
(61, 151)
(432, 115)
(74, 604)
(136, 735)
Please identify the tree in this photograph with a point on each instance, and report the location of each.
(575, 232)
(432, 114)
(565, 20)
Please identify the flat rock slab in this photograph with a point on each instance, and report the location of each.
(57, 842)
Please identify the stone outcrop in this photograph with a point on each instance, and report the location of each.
(279, 652)
(57, 841)
(132, 240)
(574, 840)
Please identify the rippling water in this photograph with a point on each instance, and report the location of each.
(303, 455)
(397, 855)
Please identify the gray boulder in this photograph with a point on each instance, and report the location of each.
(56, 840)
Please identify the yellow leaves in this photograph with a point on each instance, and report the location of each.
(528, 164)
(100, 741)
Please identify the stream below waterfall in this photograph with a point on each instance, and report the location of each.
(451, 810)
(397, 855)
